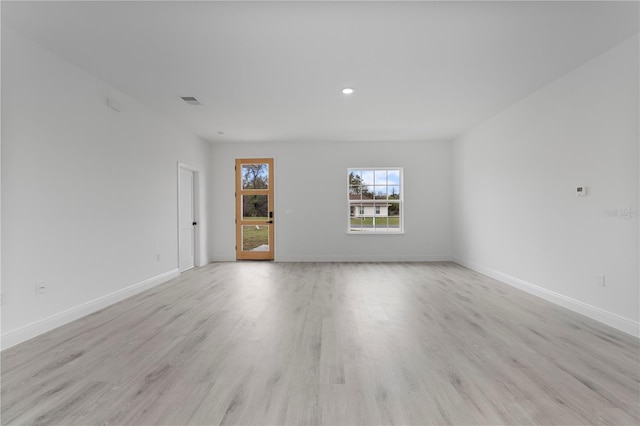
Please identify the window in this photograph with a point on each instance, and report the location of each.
(375, 194)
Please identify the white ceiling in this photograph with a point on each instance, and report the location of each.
(273, 71)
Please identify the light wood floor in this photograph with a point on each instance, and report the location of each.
(323, 343)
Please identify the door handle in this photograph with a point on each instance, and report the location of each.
(194, 223)
(270, 221)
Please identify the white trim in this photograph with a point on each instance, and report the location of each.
(222, 258)
(196, 214)
(375, 232)
(613, 320)
(362, 258)
(42, 326)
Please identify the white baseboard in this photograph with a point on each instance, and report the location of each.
(613, 320)
(222, 258)
(344, 258)
(361, 258)
(42, 326)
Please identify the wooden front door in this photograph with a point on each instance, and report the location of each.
(254, 208)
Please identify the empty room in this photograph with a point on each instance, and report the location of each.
(326, 213)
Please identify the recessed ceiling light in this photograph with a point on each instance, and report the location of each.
(347, 90)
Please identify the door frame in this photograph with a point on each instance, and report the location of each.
(238, 202)
(196, 214)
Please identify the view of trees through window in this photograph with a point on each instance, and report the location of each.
(255, 206)
(255, 176)
(375, 200)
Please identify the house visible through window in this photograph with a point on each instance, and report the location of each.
(374, 196)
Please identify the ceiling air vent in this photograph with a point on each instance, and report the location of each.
(190, 100)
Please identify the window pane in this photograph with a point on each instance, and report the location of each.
(355, 224)
(382, 209)
(394, 216)
(255, 176)
(394, 192)
(255, 237)
(356, 209)
(367, 177)
(380, 177)
(381, 222)
(367, 192)
(355, 177)
(393, 177)
(255, 207)
(381, 192)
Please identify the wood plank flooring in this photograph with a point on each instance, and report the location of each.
(326, 343)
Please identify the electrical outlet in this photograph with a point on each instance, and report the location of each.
(157, 257)
(40, 287)
(601, 280)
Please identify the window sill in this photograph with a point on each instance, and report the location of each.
(375, 232)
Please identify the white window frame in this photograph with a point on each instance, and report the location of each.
(400, 201)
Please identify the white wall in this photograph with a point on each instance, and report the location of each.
(89, 195)
(309, 175)
(515, 212)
